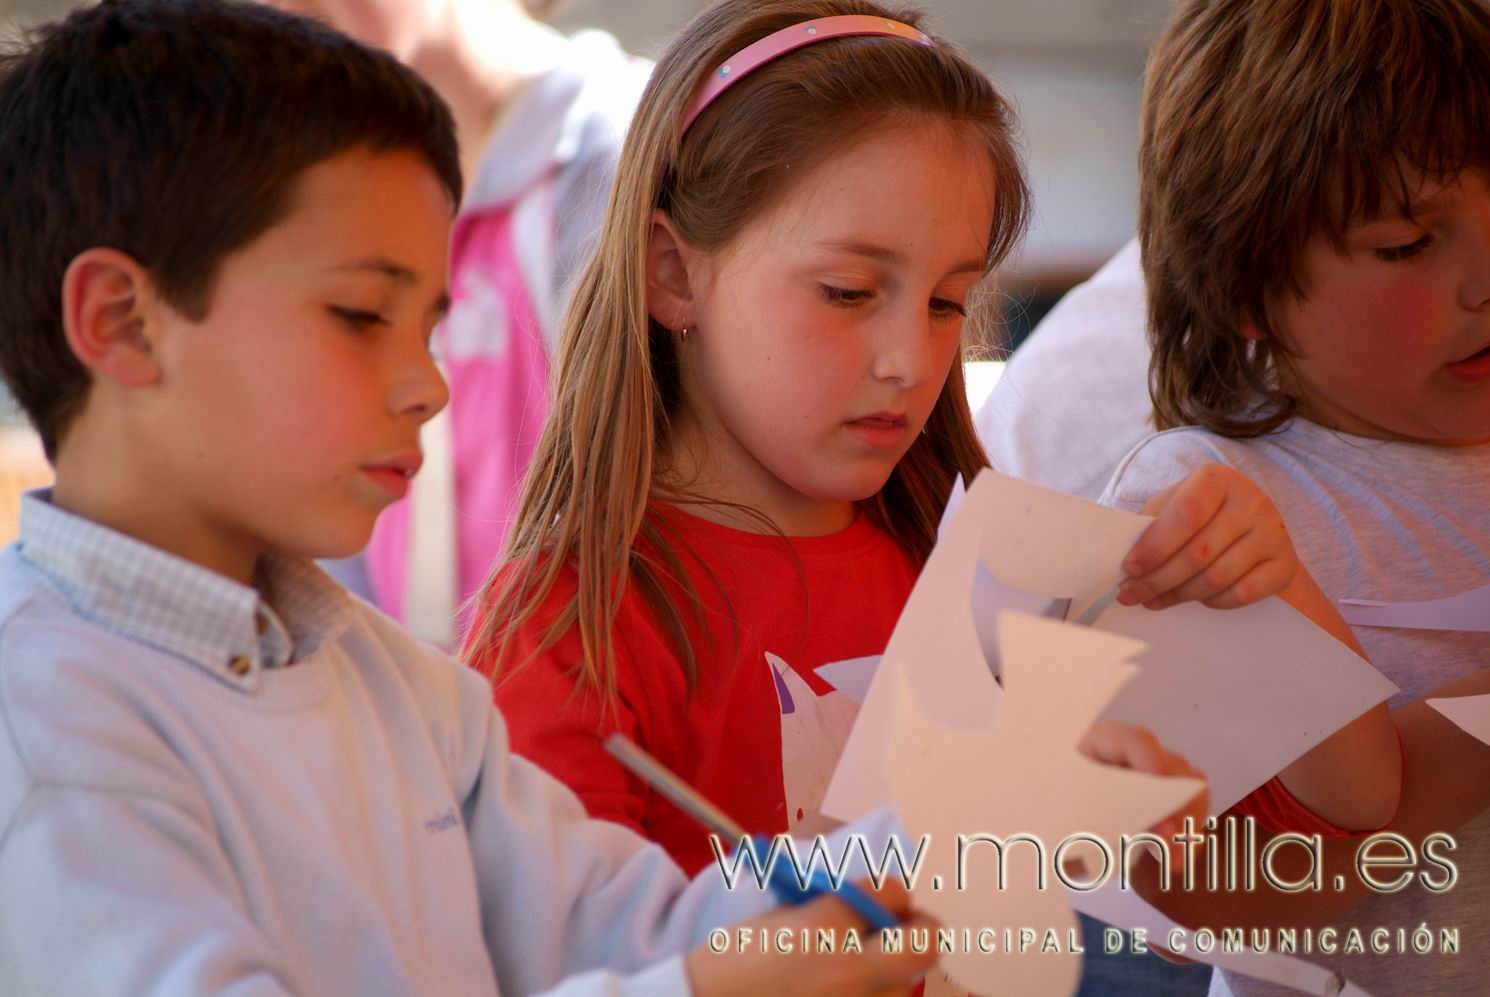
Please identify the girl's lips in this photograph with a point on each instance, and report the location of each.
(1475, 367)
(885, 431)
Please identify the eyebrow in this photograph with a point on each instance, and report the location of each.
(396, 271)
(870, 251)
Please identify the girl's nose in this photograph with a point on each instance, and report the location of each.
(904, 353)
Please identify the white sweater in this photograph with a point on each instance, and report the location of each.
(177, 815)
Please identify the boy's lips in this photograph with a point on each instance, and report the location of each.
(1475, 367)
(395, 473)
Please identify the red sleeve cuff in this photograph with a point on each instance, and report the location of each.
(1277, 811)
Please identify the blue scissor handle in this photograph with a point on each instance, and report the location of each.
(785, 885)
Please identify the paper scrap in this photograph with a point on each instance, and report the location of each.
(1468, 611)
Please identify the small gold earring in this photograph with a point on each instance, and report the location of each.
(683, 335)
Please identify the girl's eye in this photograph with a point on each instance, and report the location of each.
(947, 308)
(1394, 254)
(847, 297)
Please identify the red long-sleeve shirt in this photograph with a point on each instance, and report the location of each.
(761, 734)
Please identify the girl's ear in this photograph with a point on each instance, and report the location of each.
(669, 292)
(1249, 330)
(105, 316)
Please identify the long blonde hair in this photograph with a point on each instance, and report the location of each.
(584, 503)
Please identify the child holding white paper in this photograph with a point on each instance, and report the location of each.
(760, 414)
(1316, 241)
(219, 773)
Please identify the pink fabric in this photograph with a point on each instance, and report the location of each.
(493, 352)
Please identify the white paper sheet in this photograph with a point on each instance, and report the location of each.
(1241, 693)
(1469, 713)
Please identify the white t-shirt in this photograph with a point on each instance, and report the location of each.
(1390, 521)
(1074, 398)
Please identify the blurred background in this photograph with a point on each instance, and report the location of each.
(1073, 68)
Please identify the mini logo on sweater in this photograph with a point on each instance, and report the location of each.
(444, 822)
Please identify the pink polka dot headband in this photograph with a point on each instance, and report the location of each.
(779, 43)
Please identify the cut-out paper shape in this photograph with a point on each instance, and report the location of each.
(934, 635)
(1033, 781)
(1241, 693)
(813, 731)
(1470, 713)
(1468, 611)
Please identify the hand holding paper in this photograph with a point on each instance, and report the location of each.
(1216, 539)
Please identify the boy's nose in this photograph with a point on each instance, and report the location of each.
(1477, 287)
(422, 390)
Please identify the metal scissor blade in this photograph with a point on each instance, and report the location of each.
(1090, 615)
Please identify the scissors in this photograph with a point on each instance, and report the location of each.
(1060, 609)
(783, 877)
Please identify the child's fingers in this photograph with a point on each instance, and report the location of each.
(1125, 745)
(1180, 513)
(893, 896)
(1227, 570)
(895, 972)
(1227, 525)
(1264, 579)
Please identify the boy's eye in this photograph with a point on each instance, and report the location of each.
(1393, 254)
(358, 319)
(848, 297)
(946, 308)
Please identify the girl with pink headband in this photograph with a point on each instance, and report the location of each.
(759, 413)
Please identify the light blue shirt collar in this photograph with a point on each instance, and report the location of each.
(141, 592)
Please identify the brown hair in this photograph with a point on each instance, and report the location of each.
(1265, 124)
(175, 131)
(584, 503)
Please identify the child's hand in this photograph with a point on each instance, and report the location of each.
(1131, 747)
(1136, 748)
(1216, 539)
(872, 971)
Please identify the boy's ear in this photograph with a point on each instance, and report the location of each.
(105, 294)
(669, 292)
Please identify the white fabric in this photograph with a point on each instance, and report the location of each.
(1074, 397)
(350, 824)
